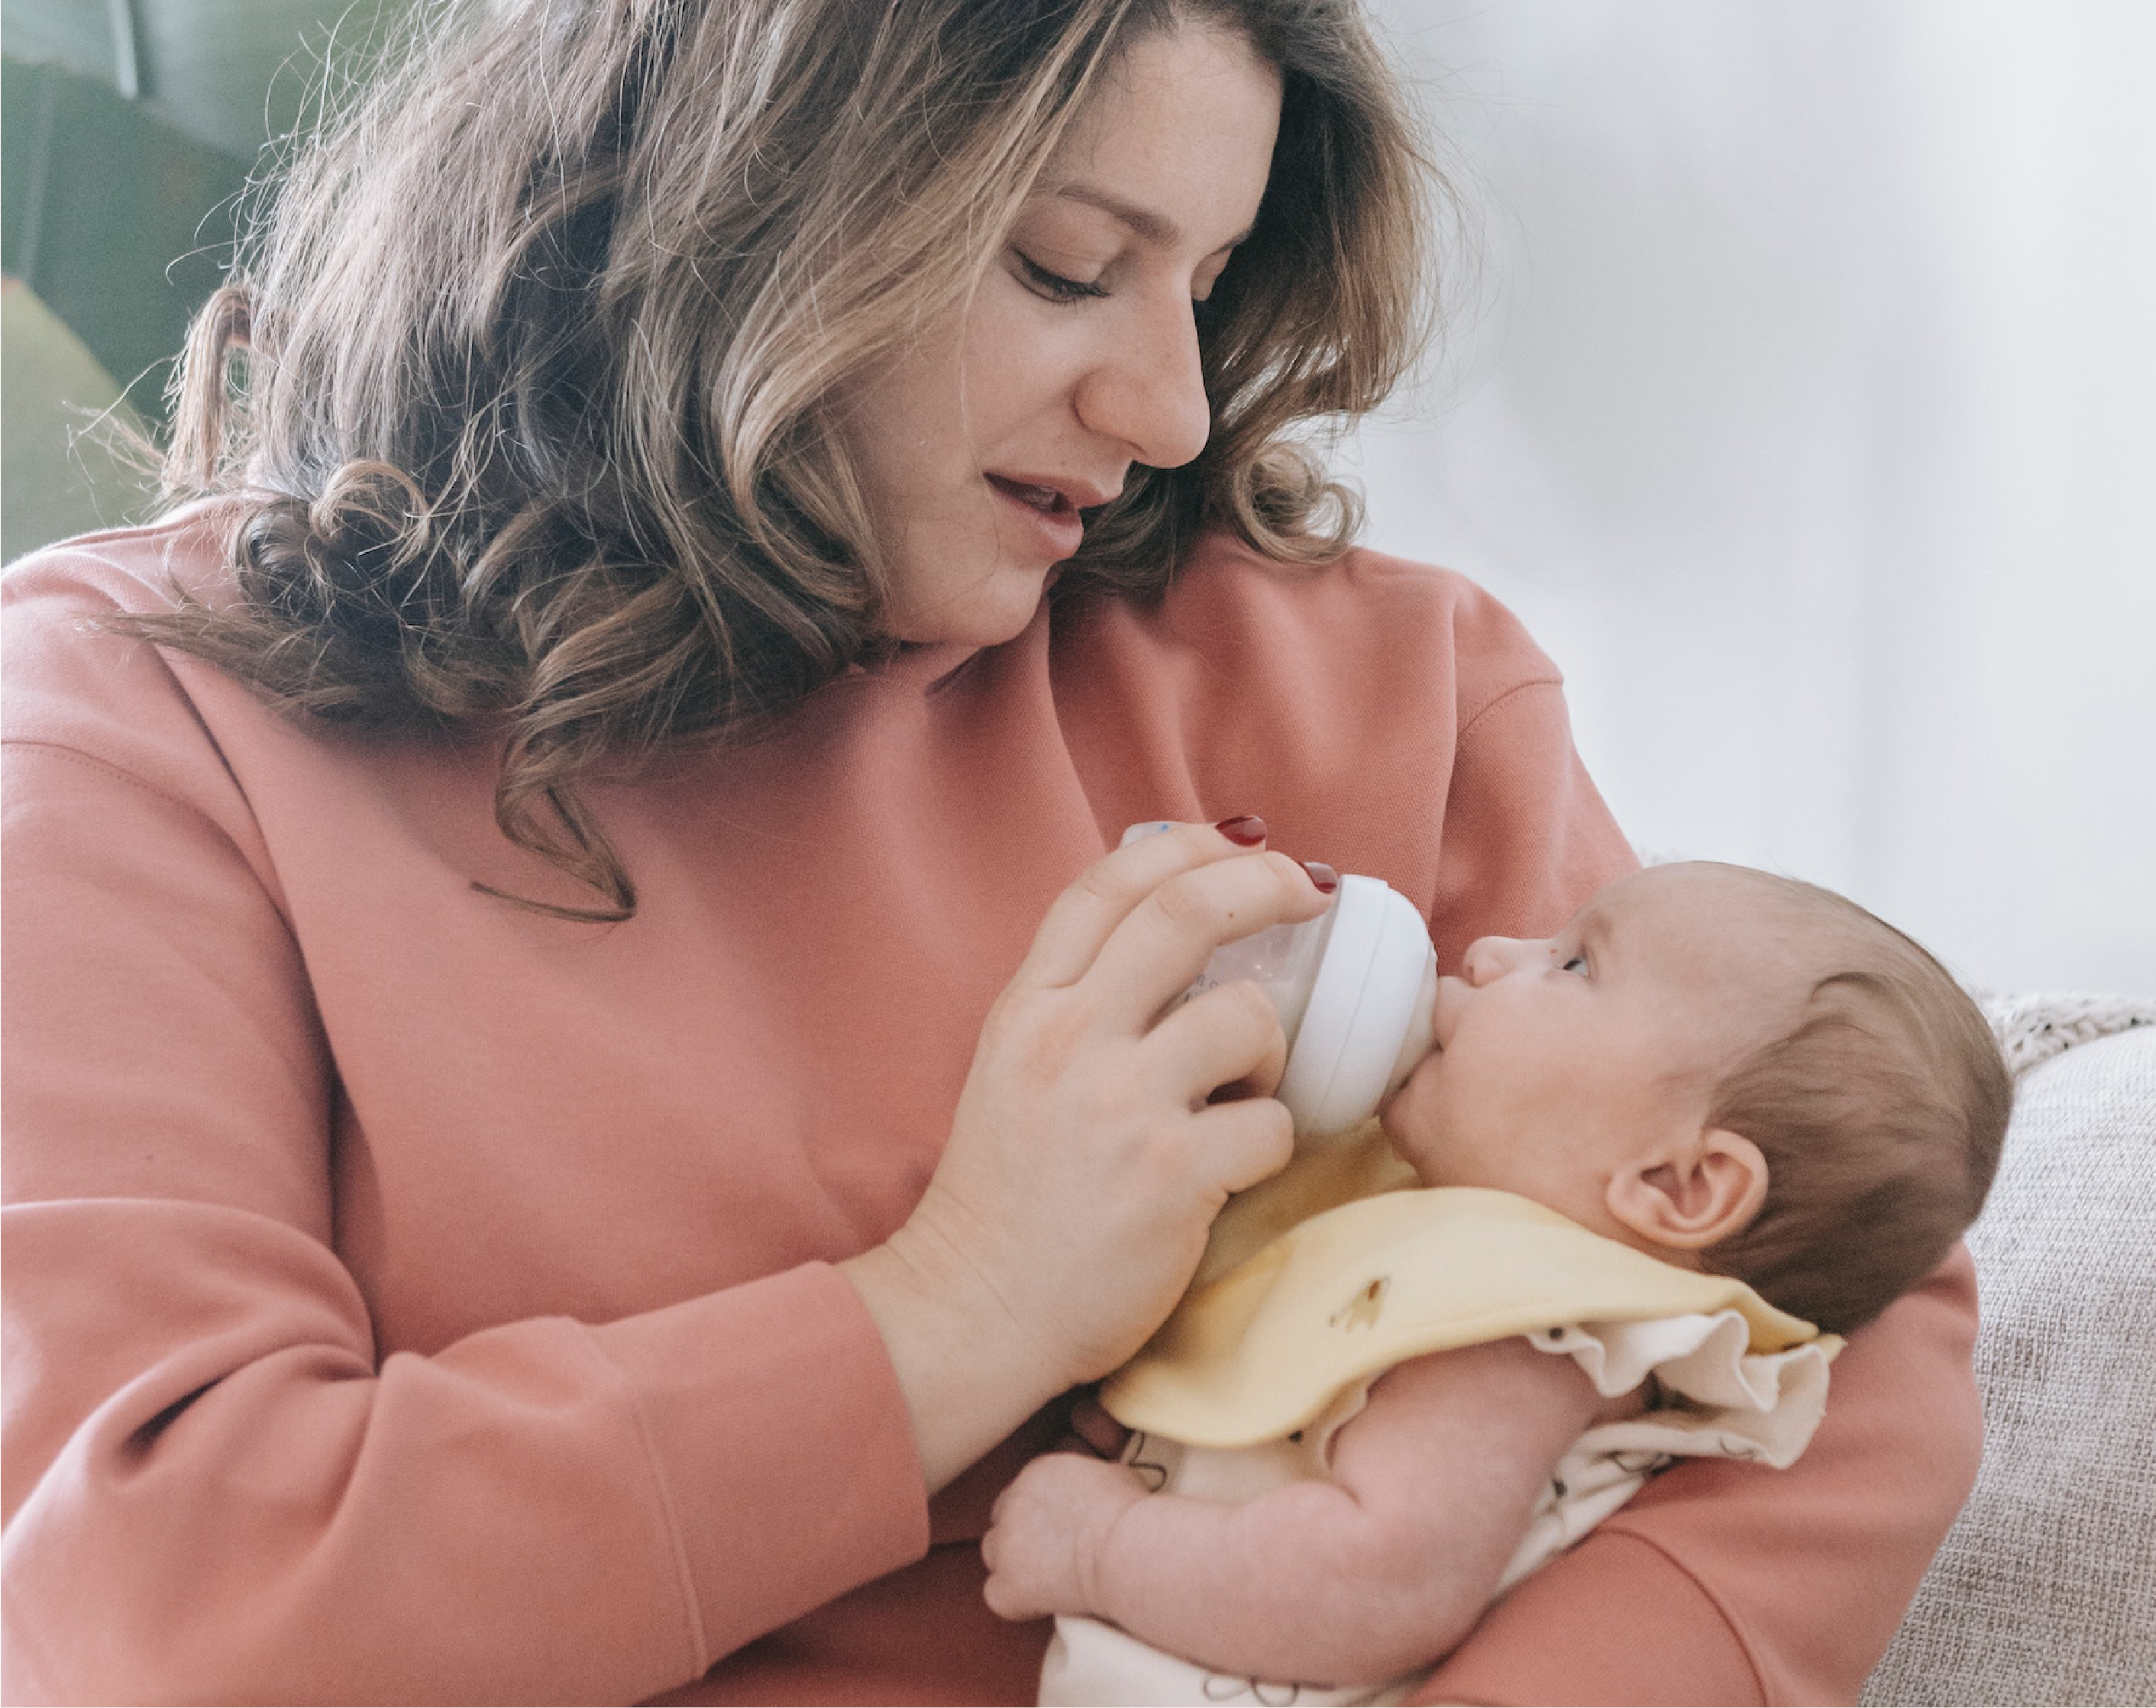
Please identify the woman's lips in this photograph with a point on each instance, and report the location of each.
(1047, 515)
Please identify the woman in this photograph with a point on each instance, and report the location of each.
(551, 1153)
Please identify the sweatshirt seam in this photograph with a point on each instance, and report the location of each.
(1736, 1635)
(62, 750)
(677, 1541)
(1467, 731)
(265, 872)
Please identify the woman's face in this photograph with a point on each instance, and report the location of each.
(981, 445)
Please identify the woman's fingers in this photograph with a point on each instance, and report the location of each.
(1082, 919)
(1231, 1035)
(1163, 943)
(1244, 1142)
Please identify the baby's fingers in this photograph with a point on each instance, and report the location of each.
(1028, 1559)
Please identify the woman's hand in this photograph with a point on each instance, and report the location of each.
(1086, 1162)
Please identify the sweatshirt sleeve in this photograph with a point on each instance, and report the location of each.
(1526, 838)
(1722, 1582)
(215, 1487)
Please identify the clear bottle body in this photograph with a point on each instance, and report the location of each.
(1282, 960)
(1354, 989)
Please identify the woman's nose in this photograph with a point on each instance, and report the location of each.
(1148, 393)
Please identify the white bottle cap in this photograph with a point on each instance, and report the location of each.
(1371, 987)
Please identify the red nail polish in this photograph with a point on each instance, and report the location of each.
(1245, 830)
(1322, 875)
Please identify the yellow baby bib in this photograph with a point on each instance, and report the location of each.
(1338, 1299)
(1328, 1169)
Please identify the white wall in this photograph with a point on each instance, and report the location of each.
(1807, 412)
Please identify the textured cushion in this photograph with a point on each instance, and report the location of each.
(2045, 1589)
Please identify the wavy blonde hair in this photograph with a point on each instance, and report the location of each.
(525, 388)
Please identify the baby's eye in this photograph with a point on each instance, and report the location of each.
(1577, 964)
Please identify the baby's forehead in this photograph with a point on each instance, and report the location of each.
(1682, 889)
(1718, 915)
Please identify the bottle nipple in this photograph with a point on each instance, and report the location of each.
(1418, 1043)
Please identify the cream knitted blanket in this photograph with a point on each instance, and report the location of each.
(2033, 1027)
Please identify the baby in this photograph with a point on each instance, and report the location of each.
(1717, 1113)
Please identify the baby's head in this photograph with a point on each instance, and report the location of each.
(1729, 1069)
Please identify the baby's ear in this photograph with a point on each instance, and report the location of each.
(1693, 1194)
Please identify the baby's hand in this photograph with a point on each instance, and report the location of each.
(1048, 1529)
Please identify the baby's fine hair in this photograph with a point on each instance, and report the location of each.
(1881, 1113)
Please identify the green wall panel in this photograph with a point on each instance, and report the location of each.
(119, 222)
(61, 474)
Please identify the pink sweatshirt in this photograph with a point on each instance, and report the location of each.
(409, 1297)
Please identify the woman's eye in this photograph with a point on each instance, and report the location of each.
(1054, 286)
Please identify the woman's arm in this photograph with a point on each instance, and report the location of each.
(216, 1489)
(1363, 1577)
(220, 1484)
(1720, 1583)
(1724, 1583)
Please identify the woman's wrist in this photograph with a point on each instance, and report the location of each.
(969, 1373)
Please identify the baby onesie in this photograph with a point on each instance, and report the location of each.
(1245, 1387)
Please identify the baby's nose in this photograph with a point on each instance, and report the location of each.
(1489, 958)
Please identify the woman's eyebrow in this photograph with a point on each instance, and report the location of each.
(1153, 227)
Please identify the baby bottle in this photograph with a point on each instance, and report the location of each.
(1354, 988)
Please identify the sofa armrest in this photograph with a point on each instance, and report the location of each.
(2044, 1590)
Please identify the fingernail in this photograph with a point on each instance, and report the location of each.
(1322, 875)
(1245, 830)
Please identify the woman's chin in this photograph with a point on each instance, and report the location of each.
(1002, 612)
(998, 608)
